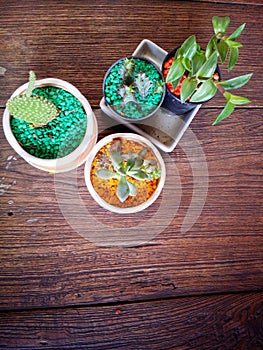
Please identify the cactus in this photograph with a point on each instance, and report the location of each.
(36, 110)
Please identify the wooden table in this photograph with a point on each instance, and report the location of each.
(195, 288)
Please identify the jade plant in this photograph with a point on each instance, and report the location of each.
(33, 109)
(192, 70)
(133, 87)
(125, 166)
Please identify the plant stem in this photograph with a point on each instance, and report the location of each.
(220, 88)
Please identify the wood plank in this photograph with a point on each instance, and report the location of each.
(216, 322)
(237, 2)
(78, 42)
(46, 262)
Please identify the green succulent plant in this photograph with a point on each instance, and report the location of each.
(36, 110)
(131, 165)
(199, 67)
(136, 82)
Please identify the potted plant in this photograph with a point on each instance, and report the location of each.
(125, 173)
(191, 73)
(133, 88)
(50, 124)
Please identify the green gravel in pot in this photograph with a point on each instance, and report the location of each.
(61, 135)
(133, 87)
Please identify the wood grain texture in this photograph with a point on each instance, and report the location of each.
(237, 2)
(187, 273)
(46, 262)
(78, 41)
(214, 323)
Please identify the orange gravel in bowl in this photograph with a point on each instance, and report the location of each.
(106, 188)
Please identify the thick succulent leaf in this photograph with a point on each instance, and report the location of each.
(176, 71)
(206, 91)
(237, 32)
(138, 163)
(121, 170)
(138, 174)
(148, 162)
(188, 87)
(235, 99)
(132, 189)
(208, 68)
(143, 152)
(220, 24)
(123, 189)
(106, 174)
(189, 47)
(116, 159)
(222, 49)
(129, 155)
(228, 109)
(130, 163)
(235, 83)
(233, 58)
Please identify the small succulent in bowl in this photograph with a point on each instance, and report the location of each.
(131, 165)
(125, 173)
(133, 88)
(33, 109)
(190, 72)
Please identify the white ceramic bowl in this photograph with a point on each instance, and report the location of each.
(75, 158)
(102, 202)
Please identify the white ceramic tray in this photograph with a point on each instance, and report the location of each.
(164, 128)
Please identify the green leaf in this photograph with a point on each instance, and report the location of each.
(132, 189)
(228, 109)
(107, 174)
(208, 68)
(189, 47)
(233, 58)
(220, 24)
(237, 32)
(188, 87)
(178, 54)
(197, 61)
(222, 49)
(235, 99)
(206, 91)
(176, 71)
(235, 83)
(116, 159)
(211, 46)
(232, 43)
(175, 83)
(187, 64)
(123, 189)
